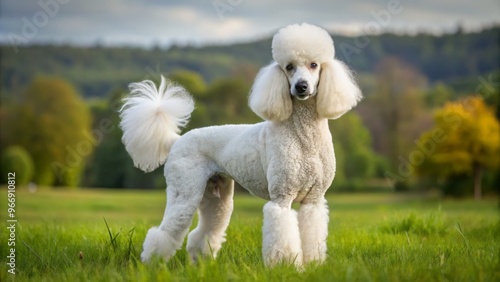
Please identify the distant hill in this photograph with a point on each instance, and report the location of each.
(96, 71)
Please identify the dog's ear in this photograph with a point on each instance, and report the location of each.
(270, 95)
(337, 90)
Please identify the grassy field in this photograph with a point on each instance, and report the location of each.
(96, 235)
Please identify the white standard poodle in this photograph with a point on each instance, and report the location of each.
(287, 158)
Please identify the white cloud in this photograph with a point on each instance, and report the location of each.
(189, 21)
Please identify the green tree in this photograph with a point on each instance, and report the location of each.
(16, 159)
(352, 142)
(398, 102)
(192, 81)
(439, 95)
(465, 141)
(51, 121)
(110, 165)
(227, 102)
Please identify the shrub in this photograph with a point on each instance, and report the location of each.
(17, 160)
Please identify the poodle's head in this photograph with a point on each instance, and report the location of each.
(303, 67)
(300, 50)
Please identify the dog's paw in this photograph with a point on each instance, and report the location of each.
(160, 243)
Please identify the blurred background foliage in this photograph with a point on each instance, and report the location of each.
(429, 119)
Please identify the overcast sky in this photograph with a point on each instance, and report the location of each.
(114, 22)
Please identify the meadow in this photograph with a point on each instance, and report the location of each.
(96, 235)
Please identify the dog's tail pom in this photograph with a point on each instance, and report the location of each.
(151, 120)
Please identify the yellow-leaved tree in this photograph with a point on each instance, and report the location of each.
(465, 140)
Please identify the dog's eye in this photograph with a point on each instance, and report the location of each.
(289, 67)
(314, 65)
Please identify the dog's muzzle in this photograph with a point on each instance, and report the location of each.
(301, 90)
(301, 87)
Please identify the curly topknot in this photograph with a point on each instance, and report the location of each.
(302, 42)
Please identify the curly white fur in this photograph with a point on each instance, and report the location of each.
(151, 120)
(159, 242)
(313, 225)
(288, 158)
(343, 93)
(281, 237)
(270, 98)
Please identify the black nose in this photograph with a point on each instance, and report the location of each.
(301, 86)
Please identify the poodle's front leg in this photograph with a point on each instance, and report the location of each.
(313, 225)
(281, 237)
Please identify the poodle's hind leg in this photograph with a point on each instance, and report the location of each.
(313, 225)
(184, 194)
(214, 214)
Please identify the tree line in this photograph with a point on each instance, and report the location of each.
(96, 71)
(61, 130)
